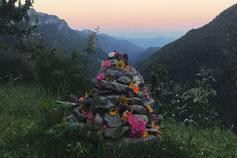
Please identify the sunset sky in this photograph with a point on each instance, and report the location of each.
(135, 18)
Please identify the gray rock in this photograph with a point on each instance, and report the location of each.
(116, 132)
(135, 101)
(124, 80)
(113, 61)
(137, 109)
(111, 144)
(123, 72)
(152, 130)
(114, 86)
(144, 117)
(77, 116)
(105, 101)
(133, 70)
(131, 94)
(113, 121)
(98, 122)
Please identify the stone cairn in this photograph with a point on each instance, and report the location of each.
(119, 106)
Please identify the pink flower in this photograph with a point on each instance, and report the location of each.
(146, 94)
(90, 116)
(99, 77)
(116, 54)
(107, 64)
(137, 127)
(105, 126)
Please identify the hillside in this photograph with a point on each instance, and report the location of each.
(213, 46)
(144, 55)
(109, 44)
(56, 32)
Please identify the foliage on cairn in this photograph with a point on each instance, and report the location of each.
(119, 106)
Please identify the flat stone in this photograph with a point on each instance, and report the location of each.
(124, 80)
(144, 117)
(125, 141)
(98, 122)
(116, 132)
(137, 109)
(77, 116)
(105, 101)
(113, 121)
(123, 72)
(114, 86)
(152, 130)
(133, 70)
(135, 101)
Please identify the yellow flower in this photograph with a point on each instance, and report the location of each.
(144, 134)
(131, 85)
(109, 78)
(86, 94)
(100, 131)
(64, 119)
(120, 65)
(102, 63)
(148, 108)
(152, 123)
(113, 111)
(125, 116)
(158, 134)
(123, 100)
(84, 111)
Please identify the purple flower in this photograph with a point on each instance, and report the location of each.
(118, 75)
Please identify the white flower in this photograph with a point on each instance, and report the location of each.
(111, 54)
(136, 80)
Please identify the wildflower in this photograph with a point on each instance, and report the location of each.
(137, 73)
(116, 54)
(158, 127)
(111, 54)
(64, 119)
(109, 78)
(99, 77)
(136, 81)
(144, 134)
(113, 111)
(135, 89)
(86, 96)
(152, 123)
(148, 108)
(100, 131)
(120, 65)
(84, 111)
(127, 67)
(153, 100)
(131, 85)
(137, 127)
(90, 116)
(118, 75)
(125, 116)
(102, 63)
(81, 99)
(158, 134)
(105, 126)
(106, 64)
(123, 100)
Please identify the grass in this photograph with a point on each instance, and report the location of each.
(30, 127)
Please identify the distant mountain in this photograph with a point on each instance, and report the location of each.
(56, 32)
(213, 46)
(109, 44)
(152, 42)
(144, 55)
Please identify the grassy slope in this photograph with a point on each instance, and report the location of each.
(22, 127)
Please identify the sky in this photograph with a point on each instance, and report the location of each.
(135, 18)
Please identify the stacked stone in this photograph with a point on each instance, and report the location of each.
(119, 97)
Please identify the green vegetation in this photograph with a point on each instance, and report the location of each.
(212, 46)
(30, 127)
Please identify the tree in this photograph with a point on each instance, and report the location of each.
(12, 13)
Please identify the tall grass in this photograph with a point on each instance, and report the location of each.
(30, 127)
